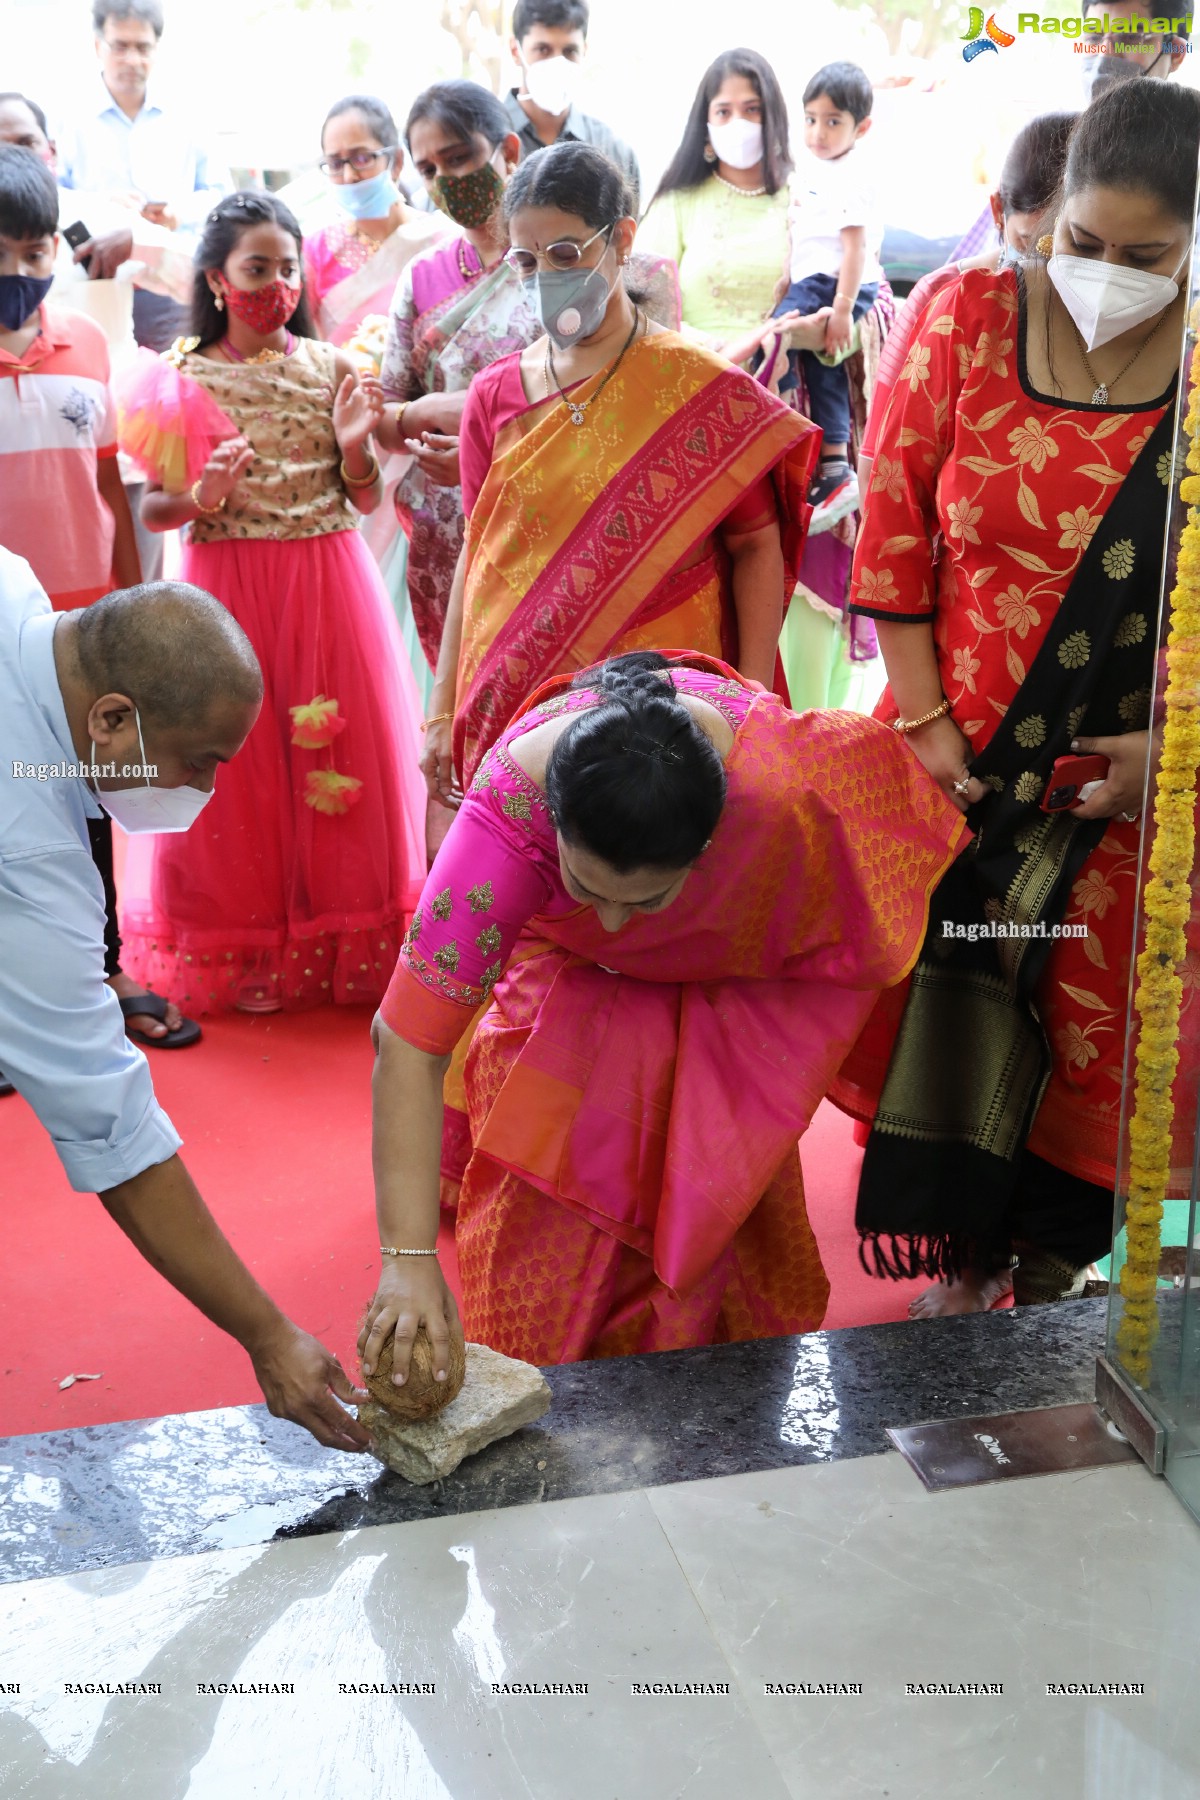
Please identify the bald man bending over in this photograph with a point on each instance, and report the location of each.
(159, 677)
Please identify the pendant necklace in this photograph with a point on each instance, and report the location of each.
(578, 408)
(1102, 389)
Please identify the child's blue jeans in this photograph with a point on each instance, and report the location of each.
(828, 389)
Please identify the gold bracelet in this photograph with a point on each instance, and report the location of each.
(907, 726)
(386, 1250)
(208, 512)
(361, 481)
(400, 412)
(437, 719)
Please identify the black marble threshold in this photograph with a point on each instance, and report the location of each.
(129, 1492)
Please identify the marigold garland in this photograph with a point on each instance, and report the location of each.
(1168, 907)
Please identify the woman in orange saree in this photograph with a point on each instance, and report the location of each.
(682, 899)
(625, 489)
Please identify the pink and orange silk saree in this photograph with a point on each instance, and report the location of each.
(636, 1098)
(587, 541)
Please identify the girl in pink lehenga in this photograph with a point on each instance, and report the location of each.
(294, 886)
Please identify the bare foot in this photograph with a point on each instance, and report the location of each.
(972, 1292)
(126, 988)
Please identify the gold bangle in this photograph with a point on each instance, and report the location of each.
(387, 1250)
(400, 412)
(437, 719)
(907, 726)
(361, 481)
(208, 512)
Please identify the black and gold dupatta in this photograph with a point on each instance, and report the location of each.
(971, 1060)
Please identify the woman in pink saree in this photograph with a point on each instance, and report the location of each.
(682, 899)
(351, 267)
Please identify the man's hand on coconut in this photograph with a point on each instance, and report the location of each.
(299, 1378)
(412, 1292)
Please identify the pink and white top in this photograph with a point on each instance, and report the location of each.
(58, 420)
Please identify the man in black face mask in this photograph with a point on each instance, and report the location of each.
(1132, 50)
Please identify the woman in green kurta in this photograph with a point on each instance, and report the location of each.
(721, 213)
(721, 208)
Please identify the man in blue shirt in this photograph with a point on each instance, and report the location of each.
(130, 704)
(128, 148)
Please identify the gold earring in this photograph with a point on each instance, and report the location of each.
(710, 155)
(1044, 245)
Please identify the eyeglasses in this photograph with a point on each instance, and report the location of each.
(124, 47)
(564, 255)
(357, 159)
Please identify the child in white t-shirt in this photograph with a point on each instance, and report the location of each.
(835, 242)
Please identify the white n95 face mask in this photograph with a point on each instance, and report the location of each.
(552, 84)
(1105, 299)
(145, 808)
(738, 142)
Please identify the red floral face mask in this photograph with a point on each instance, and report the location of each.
(263, 309)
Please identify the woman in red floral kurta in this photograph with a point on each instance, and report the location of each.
(985, 496)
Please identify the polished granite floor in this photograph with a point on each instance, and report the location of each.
(698, 1576)
(847, 1575)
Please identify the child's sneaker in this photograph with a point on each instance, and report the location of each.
(832, 494)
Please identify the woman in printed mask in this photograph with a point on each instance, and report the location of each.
(294, 887)
(624, 489)
(1011, 557)
(456, 309)
(352, 266)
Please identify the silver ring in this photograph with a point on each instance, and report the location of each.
(1129, 818)
(963, 787)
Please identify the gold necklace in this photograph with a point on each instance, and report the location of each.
(1102, 389)
(746, 193)
(578, 408)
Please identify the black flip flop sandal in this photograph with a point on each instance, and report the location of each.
(153, 1006)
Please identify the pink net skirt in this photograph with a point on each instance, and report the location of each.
(297, 881)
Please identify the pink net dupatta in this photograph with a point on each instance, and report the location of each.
(167, 423)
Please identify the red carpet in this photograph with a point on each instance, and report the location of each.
(275, 1116)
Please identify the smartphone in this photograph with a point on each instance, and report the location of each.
(76, 235)
(1068, 775)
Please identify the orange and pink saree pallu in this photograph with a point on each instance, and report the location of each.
(587, 541)
(635, 1099)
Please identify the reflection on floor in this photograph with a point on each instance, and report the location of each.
(530, 1650)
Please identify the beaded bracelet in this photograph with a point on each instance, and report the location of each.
(207, 512)
(907, 726)
(386, 1250)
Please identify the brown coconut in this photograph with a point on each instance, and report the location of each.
(421, 1396)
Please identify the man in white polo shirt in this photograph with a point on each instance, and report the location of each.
(162, 679)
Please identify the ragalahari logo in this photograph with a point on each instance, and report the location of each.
(984, 37)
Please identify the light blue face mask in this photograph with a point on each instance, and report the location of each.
(373, 199)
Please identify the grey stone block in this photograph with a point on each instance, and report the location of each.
(499, 1395)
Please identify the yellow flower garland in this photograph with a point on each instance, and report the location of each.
(1168, 907)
